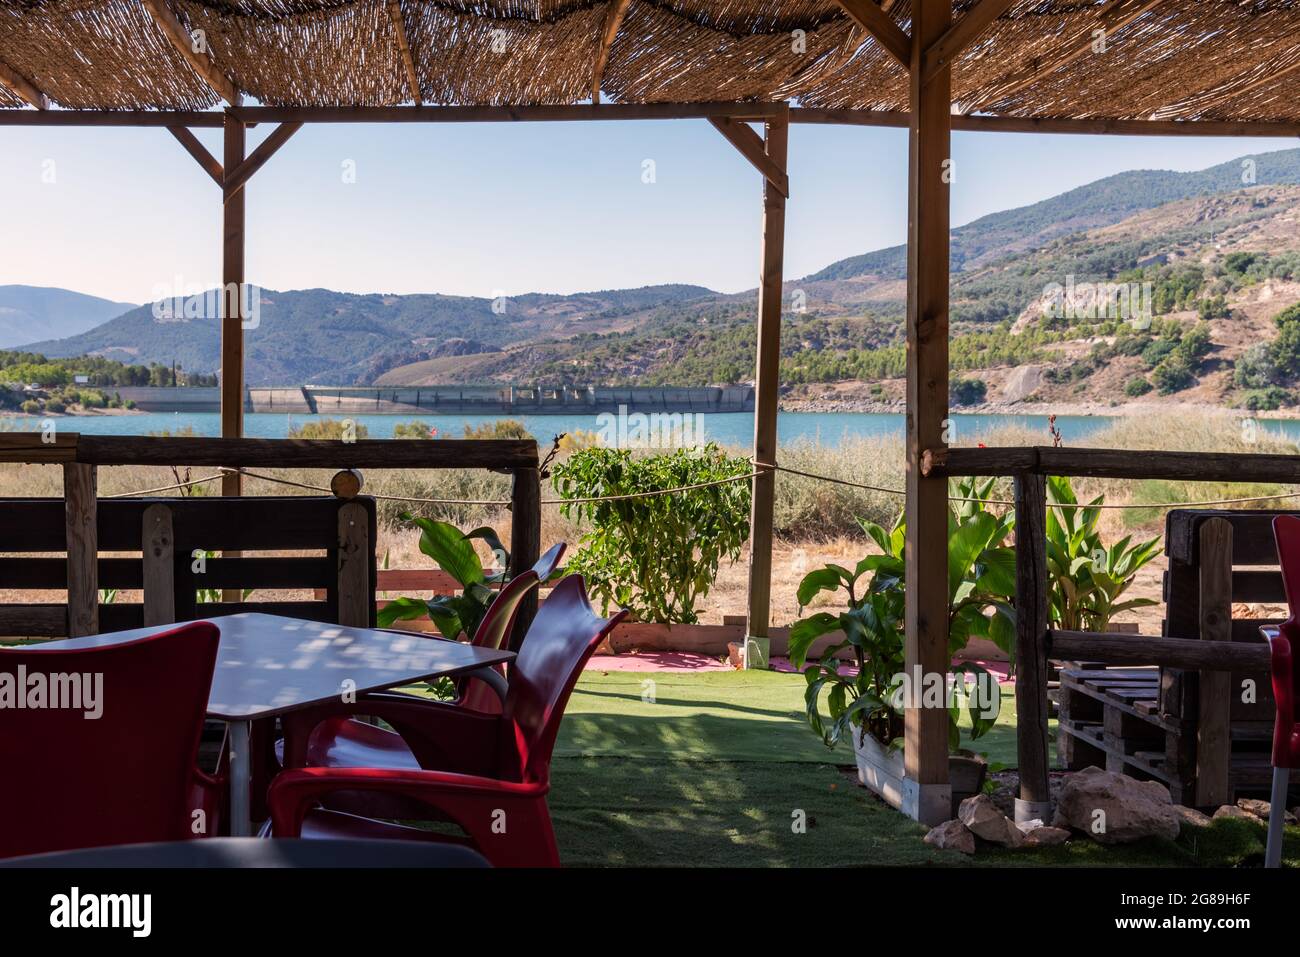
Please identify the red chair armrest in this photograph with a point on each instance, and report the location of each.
(507, 821)
(442, 736)
(1280, 643)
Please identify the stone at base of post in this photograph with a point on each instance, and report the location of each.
(928, 804)
(757, 651)
(1033, 811)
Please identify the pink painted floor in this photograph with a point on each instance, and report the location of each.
(688, 662)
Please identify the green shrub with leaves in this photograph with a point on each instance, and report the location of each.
(336, 429)
(654, 555)
(1087, 578)
(981, 586)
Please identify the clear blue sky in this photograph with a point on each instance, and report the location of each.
(473, 209)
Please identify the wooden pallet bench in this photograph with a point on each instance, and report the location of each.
(1204, 734)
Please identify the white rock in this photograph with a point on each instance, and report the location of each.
(982, 816)
(1114, 808)
(952, 836)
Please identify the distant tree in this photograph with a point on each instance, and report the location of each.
(967, 391)
(1136, 386)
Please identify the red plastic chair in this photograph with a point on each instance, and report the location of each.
(356, 743)
(125, 777)
(478, 771)
(1282, 642)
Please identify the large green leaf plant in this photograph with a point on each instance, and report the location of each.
(981, 585)
(1087, 578)
(454, 553)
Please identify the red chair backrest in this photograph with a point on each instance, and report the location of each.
(499, 620)
(70, 781)
(562, 637)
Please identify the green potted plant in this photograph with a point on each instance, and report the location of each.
(870, 702)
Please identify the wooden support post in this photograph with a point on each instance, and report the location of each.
(232, 328)
(1034, 801)
(1214, 715)
(525, 541)
(82, 529)
(926, 653)
(158, 543)
(354, 566)
(766, 382)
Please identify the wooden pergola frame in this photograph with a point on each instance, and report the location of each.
(927, 54)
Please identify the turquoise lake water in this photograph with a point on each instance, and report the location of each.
(730, 428)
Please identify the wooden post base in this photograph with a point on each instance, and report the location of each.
(929, 804)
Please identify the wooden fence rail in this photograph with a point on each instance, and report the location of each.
(1028, 467)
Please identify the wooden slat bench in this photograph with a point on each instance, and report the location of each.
(1205, 734)
(166, 533)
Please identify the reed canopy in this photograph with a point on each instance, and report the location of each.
(1225, 60)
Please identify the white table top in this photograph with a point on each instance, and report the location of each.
(267, 664)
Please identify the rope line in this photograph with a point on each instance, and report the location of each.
(991, 501)
(164, 488)
(761, 468)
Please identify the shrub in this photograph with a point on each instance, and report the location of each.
(500, 429)
(1255, 368)
(967, 391)
(1156, 350)
(1266, 400)
(56, 406)
(1216, 307)
(657, 555)
(414, 430)
(1173, 375)
(31, 407)
(338, 429)
(1286, 347)
(1136, 386)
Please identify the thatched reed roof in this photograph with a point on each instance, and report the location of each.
(1174, 59)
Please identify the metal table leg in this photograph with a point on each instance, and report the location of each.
(241, 775)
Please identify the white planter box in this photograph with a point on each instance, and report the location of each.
(883, 772)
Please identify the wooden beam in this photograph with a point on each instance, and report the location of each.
(881, 26)
(26, 447)
(1214, 688)
(355, 599)
(202, 63)
(199, 152)
(613, 112)
(242, 173)
(753, 148)
(92, 118)
(753, 112)
(1114, 463)
(766, 397)
(232, 281)
(945, 50)
(398, 20)
(1189, 653)
(82, 528)
(158, 541)
(1116, 15)
(1019, 124)
(926, 550)
(22, 87)
(1034, 800)
(614, 15)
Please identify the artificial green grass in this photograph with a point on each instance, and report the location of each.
(718, 768)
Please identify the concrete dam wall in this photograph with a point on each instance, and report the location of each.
(450, 400)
